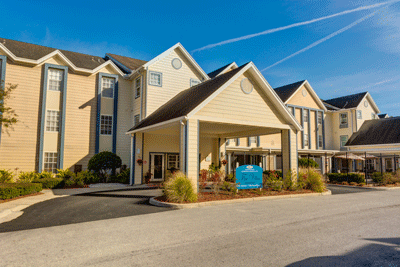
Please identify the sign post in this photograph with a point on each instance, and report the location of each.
(249, 177)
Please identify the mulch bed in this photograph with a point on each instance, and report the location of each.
(224, 195)
(15, 198)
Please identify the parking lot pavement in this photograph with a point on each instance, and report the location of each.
(91, 206)
(347, 190)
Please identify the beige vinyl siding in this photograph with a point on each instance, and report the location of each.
(366, 113)
(304, 101)
(18, 148)
(313, 138)
(232, 103)
(206, 147)
(270, 141)
(173, 80)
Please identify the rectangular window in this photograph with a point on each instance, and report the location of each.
(138, 87)
(319, 118)
(53, 120)
(305, 115)
(55, 79)
(306, 140)
(194, 82)
(359, 114)
(389, 165)
(107, 87)
(50, 162)
(136, 120)
(173, 161)
(237, 141)
(343, 140)
(320, 141)
(155, 78)
(106, 124)
(373, 116)
(343, 120)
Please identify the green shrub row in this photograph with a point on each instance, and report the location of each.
(346, 177)
(49, 183)
(386, 178)
(268, 173)
(307, 163)
(12, 190)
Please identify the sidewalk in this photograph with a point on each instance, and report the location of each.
(12, 209)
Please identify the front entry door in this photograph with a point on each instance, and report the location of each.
(157, 167)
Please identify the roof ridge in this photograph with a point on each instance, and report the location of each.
(362, 93)
(111, 54)
(290, 84)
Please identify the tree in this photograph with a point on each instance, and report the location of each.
(104, 161)
(8, 117)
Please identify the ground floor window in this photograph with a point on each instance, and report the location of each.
(50, 162)
(173, 161)
(389, 165)
(370, 164)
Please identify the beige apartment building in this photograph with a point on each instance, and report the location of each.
(167, 112)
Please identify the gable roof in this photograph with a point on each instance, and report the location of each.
(377, 132)
(35, 52)
(383, 116)
(217, 72)
(187, 100)
(348, 101)
(286, 91)
(130, 63)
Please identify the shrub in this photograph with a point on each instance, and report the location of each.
(346, 177)
(6, 176)
(306, 163)
(88, 177)
(213, 168)
(288, 182)
(49, 183)
(122, 177)
(278, 173)
(65, 174)
(9, 190)
(273, 181)
(226, 186)
(314, 181)
(45, 175)
(179, 189)
(27, 177)
(230, 178)
(103, 162)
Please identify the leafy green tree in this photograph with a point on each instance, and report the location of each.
(8, 117)
(103, 162)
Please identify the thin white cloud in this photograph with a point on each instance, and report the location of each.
(289, 26)
(322, 40)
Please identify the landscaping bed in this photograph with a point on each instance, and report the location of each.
(13, 190)
(15, 198)
(224, 195)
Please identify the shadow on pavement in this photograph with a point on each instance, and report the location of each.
(382, 252)
(85, 207)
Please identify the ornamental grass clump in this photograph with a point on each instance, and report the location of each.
(179, 189)
(27, 177)
(6, 176)
(313, 181)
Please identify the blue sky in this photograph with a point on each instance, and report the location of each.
(362, 58)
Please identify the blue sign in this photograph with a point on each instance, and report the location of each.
(249, 177)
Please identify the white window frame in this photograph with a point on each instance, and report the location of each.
(138, 88)
(359, 114)
(306, 140)
(57, 127)
(112, 124)
(342, 143)
(151, 81)
(134, 120)
(341, 124)
(44, 161)
(305, 116)
(176, 161)
(49, 80)
(373, 116)
(320, 141)
(194, 82)
(102, 86)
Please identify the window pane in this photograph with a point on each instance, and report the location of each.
(107, 87)
(106, 125)
(50, 162)
(155, 78)
(52, 120)
(55, 79)
(138, 85)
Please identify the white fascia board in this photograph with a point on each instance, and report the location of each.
(233, 64)
(63, 57)
(314, 94)
(158, 125)
(371, 100)
(294, 92)
(119, 63)
(184, 51)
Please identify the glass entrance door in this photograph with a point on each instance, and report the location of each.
(157, 167)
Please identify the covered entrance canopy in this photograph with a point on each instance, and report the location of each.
(197, 121)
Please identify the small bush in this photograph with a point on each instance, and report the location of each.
(6, 176)
(11, 190)
(230, 187)
(27, 177)
(307, 163)
(313, 181)
(346, 177)
(288, 182)
(45, 175)
(88, 177)
(122, 177)
(230, 178)
(49, 183)
(278, 173)
(104, 161)
(377, 178)
(179, 189)
(273, 181)
(65, 174)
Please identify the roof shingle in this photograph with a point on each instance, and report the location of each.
(286, 91)
(131, 63)
(348, 101)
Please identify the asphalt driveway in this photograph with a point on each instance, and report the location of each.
(337, 189)
(85, 208)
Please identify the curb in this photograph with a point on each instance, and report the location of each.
(367, 187)
(232, 201)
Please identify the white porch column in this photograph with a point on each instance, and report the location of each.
(138, 170)
(264, 162)
(229, 159)
(192, 152)
(289, 152)
(182, 147)
(132, 161)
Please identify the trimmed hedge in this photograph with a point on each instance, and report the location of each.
(306, 163)
(9, 190)
(346, 177)
(279, 173)
(50, 183)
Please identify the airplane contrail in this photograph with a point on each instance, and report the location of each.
(322, 40)
(289, 26)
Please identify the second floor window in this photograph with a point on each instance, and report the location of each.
(155, 78)
(136, 120)
(252, 140)
(343, 140)
(305, 115)
(52, 120)
(319, 118)
(359, 114)
(343, 120)
(55, 79)
(107, 87)
(106, 125)
(194, 82)
(138, 87)
(306, 140)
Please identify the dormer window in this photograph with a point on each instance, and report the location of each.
(155, 78)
